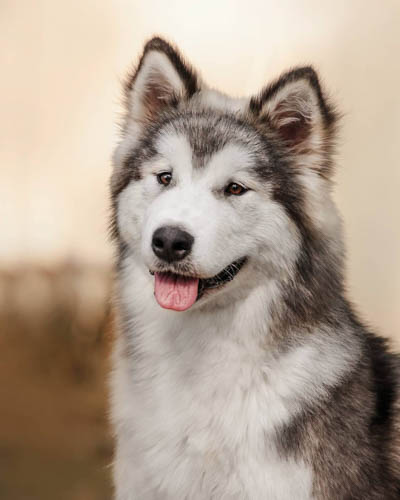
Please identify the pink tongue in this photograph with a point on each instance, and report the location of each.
(175, 292)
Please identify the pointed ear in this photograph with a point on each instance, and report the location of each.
(161, 80)
(296, 109)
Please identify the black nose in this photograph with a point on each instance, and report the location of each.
(171, 243)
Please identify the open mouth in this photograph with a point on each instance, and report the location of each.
(179, 292)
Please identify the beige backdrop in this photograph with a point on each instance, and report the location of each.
(61, 63)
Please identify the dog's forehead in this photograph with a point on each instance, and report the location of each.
(204, 140)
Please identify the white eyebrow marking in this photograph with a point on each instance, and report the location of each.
(175, 148)
(230, 160)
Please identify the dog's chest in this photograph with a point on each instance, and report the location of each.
(204, 428)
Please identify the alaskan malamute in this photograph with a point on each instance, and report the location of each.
(240, 370)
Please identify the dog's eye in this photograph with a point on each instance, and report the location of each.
(164, 178)
(235, 189)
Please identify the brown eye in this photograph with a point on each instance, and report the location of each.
(235, 189)
(164, 178)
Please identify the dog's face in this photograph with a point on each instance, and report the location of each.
(212, 194)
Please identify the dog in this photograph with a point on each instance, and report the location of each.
(240, 369)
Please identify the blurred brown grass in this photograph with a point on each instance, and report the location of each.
(54, 339)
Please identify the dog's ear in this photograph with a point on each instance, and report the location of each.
(295, 108)
(161, 80)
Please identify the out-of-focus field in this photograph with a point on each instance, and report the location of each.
(54, 342)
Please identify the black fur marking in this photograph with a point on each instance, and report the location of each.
(384, 380)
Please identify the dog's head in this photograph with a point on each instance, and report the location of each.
(213, 194)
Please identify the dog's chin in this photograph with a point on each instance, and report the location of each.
(173, 285)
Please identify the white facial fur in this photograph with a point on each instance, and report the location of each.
(225, 228)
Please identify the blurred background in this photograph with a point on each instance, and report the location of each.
(61, 66)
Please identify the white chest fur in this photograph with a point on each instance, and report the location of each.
(190, 434)
(195, 410)
(197, 399)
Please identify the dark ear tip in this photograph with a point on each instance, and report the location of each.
(302, 72)
(157, 43)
